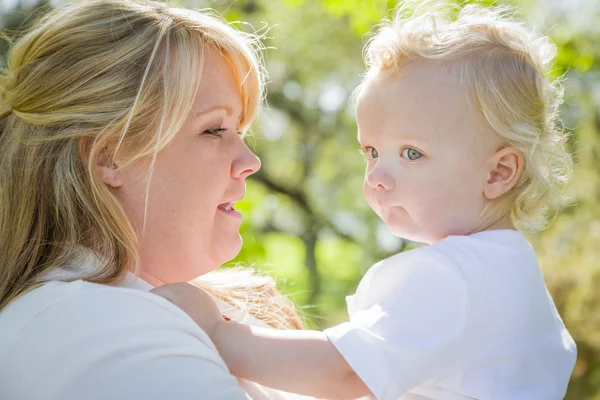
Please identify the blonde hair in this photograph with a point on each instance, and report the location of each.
(253, 294)
(502, 66)
(91, 77)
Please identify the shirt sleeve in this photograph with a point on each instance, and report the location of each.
(120, 344)
(406, 325)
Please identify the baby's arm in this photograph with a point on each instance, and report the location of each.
(302, 361)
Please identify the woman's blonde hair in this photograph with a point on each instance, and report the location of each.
(503, 68)
(89, 78)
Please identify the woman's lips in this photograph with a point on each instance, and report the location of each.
(228, 208)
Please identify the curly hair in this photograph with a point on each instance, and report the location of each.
(503, 67)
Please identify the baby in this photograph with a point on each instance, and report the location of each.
(459, 126)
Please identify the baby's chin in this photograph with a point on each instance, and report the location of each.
(419, 236)
(406, 234)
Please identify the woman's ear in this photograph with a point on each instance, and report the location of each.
(108, 171)
(506, 168)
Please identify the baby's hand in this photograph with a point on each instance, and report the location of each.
(195, 302)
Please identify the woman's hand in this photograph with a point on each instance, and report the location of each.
(195, 302)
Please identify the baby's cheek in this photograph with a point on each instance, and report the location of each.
(438, 189)
(372, 203)
(438, 204)
(368, 193)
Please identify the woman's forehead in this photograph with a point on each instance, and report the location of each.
(218, 87)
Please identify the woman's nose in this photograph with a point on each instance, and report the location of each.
(245, 164)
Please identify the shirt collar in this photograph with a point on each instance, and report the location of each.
(84, 264)
(133, 281)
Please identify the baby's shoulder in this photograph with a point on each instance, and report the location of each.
(421, 260)
(417, 269)
(458, 261)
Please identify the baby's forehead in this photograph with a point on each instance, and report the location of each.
(425, 99)
(421, 76)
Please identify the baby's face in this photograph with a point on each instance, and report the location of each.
(428, 159)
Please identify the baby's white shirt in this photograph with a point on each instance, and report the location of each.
(468, 317)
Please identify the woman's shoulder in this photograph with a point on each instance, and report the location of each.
(79, 301)
(102, 338)
(70, 311)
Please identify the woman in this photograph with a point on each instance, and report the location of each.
(122, 155)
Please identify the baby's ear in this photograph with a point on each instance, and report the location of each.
(507, 164)
(108, 171)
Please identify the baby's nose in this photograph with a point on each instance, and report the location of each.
(379, 179)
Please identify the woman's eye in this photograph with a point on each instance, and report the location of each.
(214, 131)
(371, 153)
(411, 154)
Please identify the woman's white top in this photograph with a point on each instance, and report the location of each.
(84, 341)
(468, 317)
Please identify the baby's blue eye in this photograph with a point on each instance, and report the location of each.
(411, 154)
(371, 153)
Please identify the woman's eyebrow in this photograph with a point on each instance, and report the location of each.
(221, 110)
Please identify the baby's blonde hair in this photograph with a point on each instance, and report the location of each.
(503, 68)
(89, 78)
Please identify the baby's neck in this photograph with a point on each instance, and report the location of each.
(504, 223)
(501, 224)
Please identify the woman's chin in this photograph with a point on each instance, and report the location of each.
(228, 250)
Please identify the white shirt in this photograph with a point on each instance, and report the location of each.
(468, 317)
(80, 340)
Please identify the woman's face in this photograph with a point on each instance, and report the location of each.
(191, 226)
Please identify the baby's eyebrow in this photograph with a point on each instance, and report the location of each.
(407, 137)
